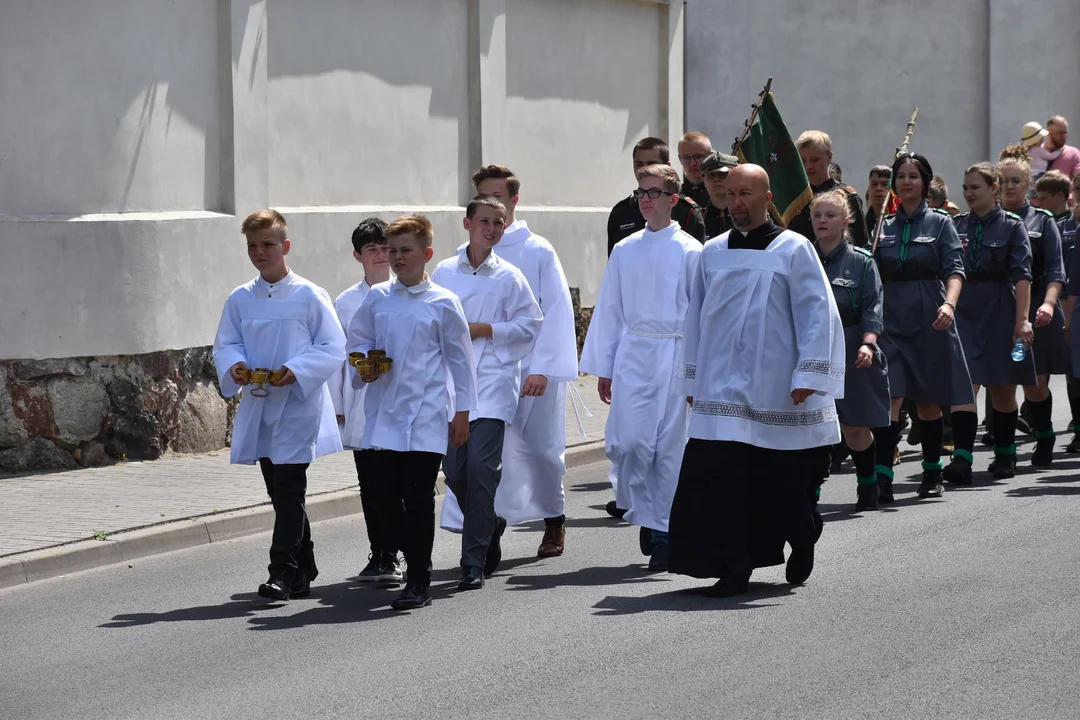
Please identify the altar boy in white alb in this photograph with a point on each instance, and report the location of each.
(281, 322)
(534, 448)
(504, 321)
(633, 345)
(422, 328)
(371, 250)
(763, 361)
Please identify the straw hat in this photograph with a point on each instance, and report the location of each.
(1033, 134)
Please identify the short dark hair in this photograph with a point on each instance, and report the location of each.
(653, 143)
(370, 230)
(483, 201)
(1054, 182)
(938, 194)
(881, 171)
(498, 172)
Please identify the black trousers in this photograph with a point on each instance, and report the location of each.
(382, 540)
(404, 484)
(291, 549)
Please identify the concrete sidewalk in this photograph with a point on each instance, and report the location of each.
(55, 523)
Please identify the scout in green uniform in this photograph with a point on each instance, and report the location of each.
(715, 169)
(694, 147)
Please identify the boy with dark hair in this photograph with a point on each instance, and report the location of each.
(504, 321)
(280, 330)
(422, 329)
(371, 250)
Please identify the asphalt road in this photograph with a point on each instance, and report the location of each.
(961, 608)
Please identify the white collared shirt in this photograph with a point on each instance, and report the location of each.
(423, 330)
(495, 292)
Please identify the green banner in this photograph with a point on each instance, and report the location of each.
(770, 145)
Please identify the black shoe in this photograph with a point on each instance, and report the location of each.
(371, 570)
(301, 586)
(390, 575)
(412, 597)
(914, 437)
(659, 560)
(931, 486)
(472, 578)
(1044, 452)
(819, 524)
(1074, 445)
(276, 588)
(494, 553)
(958, 472)
(987, 439)
(1023, 426)
(726, 587)
(1003, 467)
(867, 497)
(799, 565)
(644, 539)
(614, 510)
(885, 494)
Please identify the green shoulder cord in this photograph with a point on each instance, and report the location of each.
(905, 239)
(976, 247)
(855, 294)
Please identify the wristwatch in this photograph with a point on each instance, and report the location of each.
(951, 304)
(873, 347)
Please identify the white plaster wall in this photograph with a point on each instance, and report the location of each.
(855, 69)
(108, 106)
(368, 102)
(583, 84)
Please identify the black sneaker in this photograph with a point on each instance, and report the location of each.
(494, 553)
(1003, 467)
(1074, 445)
(867, 497)
(958, 472)
(987, 439)
(1044, 452)
(931, 486)
(412, 598)
(614, 510)
(1023, 427)
(658, 562)
(390, 574)
(371, 570)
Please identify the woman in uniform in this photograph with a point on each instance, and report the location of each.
(1047, 281)
(990, 317)
(856, 286)
(919, 257)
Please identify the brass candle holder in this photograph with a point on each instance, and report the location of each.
(384, 364)
(259, 377)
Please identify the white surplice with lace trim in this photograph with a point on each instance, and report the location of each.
(762, 323)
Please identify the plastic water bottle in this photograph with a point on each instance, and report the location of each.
(1019, 351)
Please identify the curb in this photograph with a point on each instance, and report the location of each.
(28, 567)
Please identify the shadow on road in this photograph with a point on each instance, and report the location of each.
(1040, 490)
(586, 577)
(693, 600)
(591, 487)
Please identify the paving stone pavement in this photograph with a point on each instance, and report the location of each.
(46, 509)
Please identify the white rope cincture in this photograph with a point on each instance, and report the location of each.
(575, 398)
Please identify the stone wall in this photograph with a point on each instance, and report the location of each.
(61, 414)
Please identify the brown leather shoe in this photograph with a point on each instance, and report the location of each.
(552, 544)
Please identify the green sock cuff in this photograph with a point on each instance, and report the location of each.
(872, 480)
(817, 493)
(931, 466)
(1010, 450)
(964, 455)
(1042, 434)
(886, 471)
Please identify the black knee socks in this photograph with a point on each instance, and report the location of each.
(865, 460)
(1041, 417)
(931, 443)
(886, 439)
(1005, 432)
(965, 425)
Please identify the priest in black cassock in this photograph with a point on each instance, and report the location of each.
(762, 361)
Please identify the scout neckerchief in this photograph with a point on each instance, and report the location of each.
(976, 243)
(905, 240)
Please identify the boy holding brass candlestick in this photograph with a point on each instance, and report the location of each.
(633, 347)
(504, 321)
(371, 250)
(280, 330)
(423, 364)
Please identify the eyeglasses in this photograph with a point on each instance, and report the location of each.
(1012, 182)
(653, 193)
(687, 159)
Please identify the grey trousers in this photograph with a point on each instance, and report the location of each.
(473, 472)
